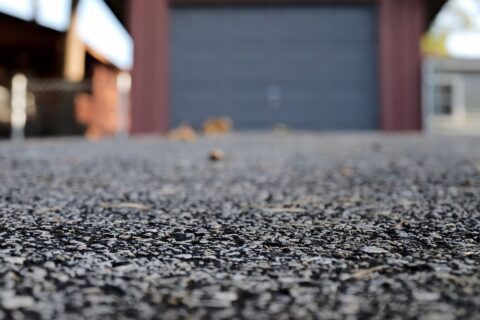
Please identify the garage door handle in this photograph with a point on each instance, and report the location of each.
(274, 97)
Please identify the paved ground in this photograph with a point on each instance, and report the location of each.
(286, 226)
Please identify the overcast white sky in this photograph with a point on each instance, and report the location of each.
(461, 20)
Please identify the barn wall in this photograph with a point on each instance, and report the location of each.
(149, 26)
(401, 23)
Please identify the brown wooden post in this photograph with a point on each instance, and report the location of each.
(401, 24)
(149, 25)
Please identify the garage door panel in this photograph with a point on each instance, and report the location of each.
(359, 16)
(348, 36)
(307, 67)
(248, 92)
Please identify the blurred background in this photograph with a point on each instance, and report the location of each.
(101, 68)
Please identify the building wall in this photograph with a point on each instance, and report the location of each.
(401, 23)
(472, 94)
(150, 28)
(451, 96)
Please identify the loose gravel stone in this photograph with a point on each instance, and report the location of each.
(373, 249)
(16, 302)
(288, 226)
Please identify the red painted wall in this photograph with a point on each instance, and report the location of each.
(149, 26)
(401, 23)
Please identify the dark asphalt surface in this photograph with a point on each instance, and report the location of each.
(293, 226)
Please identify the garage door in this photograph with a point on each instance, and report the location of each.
(305, 67)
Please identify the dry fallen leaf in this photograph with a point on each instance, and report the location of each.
(292, 210)
(128, 205)
(278, 209)
(216, 155)
(47, 210)
(362, 273)
(183, 133)
(346, 172)
(217, 126)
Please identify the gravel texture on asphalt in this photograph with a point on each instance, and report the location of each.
(286, 226)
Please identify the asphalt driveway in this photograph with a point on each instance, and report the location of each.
(303, 226)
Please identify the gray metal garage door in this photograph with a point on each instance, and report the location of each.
(306, 67)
